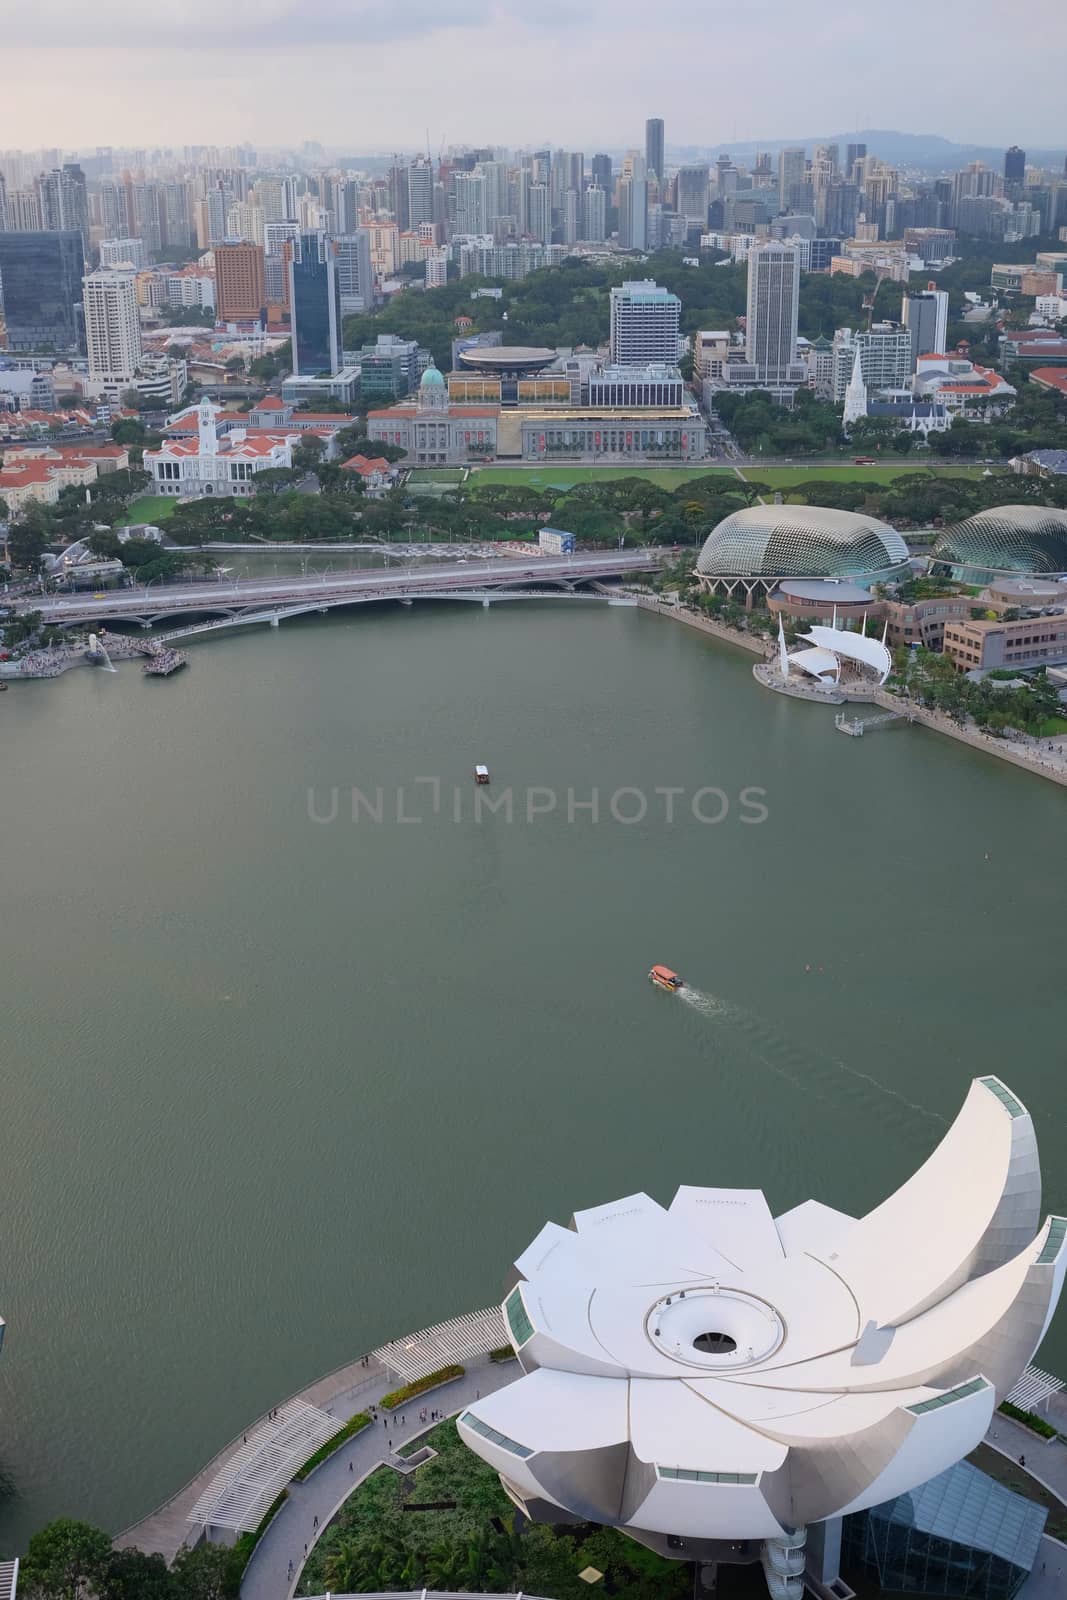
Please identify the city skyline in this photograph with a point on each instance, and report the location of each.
(282, 73)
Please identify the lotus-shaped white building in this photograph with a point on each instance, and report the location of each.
(708, 1377)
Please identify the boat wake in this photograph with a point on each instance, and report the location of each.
(826, 1077)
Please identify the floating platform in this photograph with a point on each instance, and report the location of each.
(164, 662)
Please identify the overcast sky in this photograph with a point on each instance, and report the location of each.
(371, 74)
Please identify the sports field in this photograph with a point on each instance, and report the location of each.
(783, 477)
(423, 475)
(149, 508)
(566, 477)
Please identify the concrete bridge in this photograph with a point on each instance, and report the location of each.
(269, 599)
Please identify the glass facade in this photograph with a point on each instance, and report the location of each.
(1029, 539)
(802, 542)
(518, 1321)
(960, 1534)
(315, 307)
(41, 284)
(494, 1436)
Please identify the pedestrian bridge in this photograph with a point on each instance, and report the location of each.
(270, 599)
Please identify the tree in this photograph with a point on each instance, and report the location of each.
(235, 364)
(207, 1572)
(5, 513)
(133, 1575)
(127, 430)
(28, 538)
(64, 1561)
(308, 453)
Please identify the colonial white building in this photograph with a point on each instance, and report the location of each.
(210, 464)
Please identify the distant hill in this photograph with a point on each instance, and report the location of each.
(927, 152)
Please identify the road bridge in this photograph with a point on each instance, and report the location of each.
(324, 591)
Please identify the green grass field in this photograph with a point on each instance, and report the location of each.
(149, 508)
(783, 477)
(563, 478)
(419, 475)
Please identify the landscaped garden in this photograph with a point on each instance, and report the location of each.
(449, 1525)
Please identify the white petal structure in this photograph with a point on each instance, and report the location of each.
(707, 1374)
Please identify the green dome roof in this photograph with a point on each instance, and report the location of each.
(431, 378)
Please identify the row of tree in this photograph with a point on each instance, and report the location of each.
(70, 1560)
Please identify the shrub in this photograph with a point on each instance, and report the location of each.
(389, 1402)
(354, 1425)
(503, 1352)
(1029, 1419)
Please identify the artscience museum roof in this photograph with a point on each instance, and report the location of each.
(711, 1371)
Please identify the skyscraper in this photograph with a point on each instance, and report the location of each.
(240, 284)
(594, 207)
(539, 225)
(633, 206)
(1014, 166)
(600, 169)
(925, 315)
(791, 174)
(355, 274)
(41, 282)
(853, 153)
(64, 204)
(654, 147)
(572, 211)
(398, 195)
(773, 310)
(644, 324)
(314, 306)
(469, 203)
(420, 196)
(112, 326)
(692, 193)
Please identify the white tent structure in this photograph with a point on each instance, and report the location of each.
(831, 648)
(706, 1376)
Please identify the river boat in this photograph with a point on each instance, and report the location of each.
(664, 978)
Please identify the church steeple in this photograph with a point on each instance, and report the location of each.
(855, 395)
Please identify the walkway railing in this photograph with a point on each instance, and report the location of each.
(462, 1339)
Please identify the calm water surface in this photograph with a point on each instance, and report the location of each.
(276, 1090)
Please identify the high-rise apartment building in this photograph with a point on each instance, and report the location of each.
(645, 319)
(64, 201)
(594, 215)
(539, 225)
(24, 210)
(437, 267)
(122, 253)
(633, 206)
(469, 203)
(398, 196)
(854, 153)
(112, 326)
(571, 219)
(314, 306)
(240, 283)
(925, 315)
(773, 311)
(41, 284)
(654, 148)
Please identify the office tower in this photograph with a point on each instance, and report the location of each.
(828, 155)
(763, 171)
(1014, 166)
(314, 306)
(644, 324)
(240, 284)
(594, 211)
(691, 194)
(41, 278)
(355, 273)
(854, 153)
(469, 203)
(112, 326)
(420, 195)
(633, 206)
(925, 315)
(839, 208)
(773, 310)
(600, 171)
(654, 148)
(572, 210)
(398, 196)
(791, 175)
(540, 219)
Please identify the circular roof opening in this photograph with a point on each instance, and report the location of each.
(714, 1328)
(715, 1344)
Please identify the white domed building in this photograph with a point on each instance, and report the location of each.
(712, 1379)
(753, 550)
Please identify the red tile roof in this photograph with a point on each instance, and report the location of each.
(1050, 378)
(365, 465)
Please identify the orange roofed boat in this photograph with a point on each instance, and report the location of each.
(664, 978)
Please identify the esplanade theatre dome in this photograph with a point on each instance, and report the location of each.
(751, 550)
(1003, 539)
